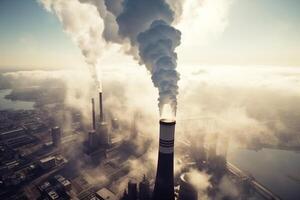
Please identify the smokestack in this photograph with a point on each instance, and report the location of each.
(101, 107)
(93, 114)
(164, 183)
(103, 129)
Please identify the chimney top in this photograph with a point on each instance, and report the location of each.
(168, 122)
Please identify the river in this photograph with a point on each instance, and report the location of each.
(15, 105)
(278, 170)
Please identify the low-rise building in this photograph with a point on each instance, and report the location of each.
(48, 162)
(63, 182)
(106, 194)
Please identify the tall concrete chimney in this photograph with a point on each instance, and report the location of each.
(103, 128)
(93, 114)
(164, 183)
(101, 107)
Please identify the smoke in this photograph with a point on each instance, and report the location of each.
(227, 189)
(84, 26)
(107, 10)
(156, 47)
(146, 27)
(274, 95)
(269, 116)
(143, 29)
(200, 181)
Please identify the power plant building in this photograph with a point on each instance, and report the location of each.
(92, 140)
(97, 140)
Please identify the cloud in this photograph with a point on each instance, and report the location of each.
(263, 101)
(246, 109)
(203, 21)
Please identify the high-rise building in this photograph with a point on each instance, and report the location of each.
(134, 193)
(144, 189)
(164, 182)
(132, 190)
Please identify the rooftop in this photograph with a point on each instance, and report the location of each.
(106, 194)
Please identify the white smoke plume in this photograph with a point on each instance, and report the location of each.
(200, 180)
(152, 39)
(84, 25)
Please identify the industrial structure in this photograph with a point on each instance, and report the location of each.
(187, 191)
(144, 189)
(92, 137)
(56, 136)
(103, 126)
(98, 137)
(164, 182)
(33, 167)
(93, 114)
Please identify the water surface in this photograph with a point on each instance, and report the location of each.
(15, 105)
(278, 170)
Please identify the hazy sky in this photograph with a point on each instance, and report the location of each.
(244, 32)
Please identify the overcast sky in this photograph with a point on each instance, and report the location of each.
(223, 32)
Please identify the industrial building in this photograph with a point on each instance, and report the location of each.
(98, 140)
(55, 188)
(106, 194)
(56, 136)
(66, 184)
(103, 149)
(17, 137)
(48, 162)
